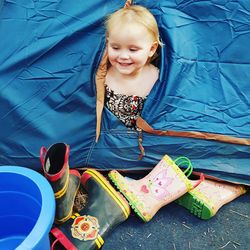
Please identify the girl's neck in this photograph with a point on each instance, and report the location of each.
(127, 77)
(138, 84)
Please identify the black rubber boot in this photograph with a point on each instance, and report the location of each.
(106, 208)
(64, 182)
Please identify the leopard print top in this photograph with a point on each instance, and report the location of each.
(126, 108)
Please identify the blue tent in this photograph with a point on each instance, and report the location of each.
(51, 51)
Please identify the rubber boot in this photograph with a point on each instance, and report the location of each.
(164, 184)
(106, 208)
(206, 199)
(64, 182)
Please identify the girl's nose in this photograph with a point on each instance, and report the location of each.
(124, 55)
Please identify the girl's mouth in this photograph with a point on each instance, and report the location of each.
(125, 64)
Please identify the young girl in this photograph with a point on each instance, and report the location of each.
(132, 40)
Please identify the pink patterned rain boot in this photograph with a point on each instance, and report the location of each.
(164, 184)
(205, 200)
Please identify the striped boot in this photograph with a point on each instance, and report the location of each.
(106, 208)
(64, 182)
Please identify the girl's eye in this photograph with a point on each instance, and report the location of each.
(133, 49)
(115, 48)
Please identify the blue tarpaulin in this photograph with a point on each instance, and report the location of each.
(51, 50)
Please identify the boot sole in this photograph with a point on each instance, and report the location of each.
(116, 196)
(113, 178)
(196, 205)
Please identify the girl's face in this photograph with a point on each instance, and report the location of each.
(129, 48)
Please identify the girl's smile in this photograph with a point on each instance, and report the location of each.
(129, 48)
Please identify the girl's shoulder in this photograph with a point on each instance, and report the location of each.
(152, 69)
(114, 82)
(151, 74)
(148, 79)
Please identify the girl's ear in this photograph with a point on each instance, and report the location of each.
(153, 49)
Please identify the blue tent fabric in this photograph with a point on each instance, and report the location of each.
(50, 52)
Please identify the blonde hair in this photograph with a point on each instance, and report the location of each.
(134, 13)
